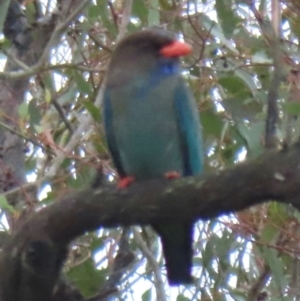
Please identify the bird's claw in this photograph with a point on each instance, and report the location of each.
(125, 182)
(172, 175)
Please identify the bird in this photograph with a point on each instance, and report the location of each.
(153, 128)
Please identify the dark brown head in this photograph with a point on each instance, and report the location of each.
(141, 51)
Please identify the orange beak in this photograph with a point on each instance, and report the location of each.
(176, 49)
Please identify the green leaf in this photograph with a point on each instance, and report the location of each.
(153, 13)
(146, 296)
(140, 10)
(38, 128)
(47, 96)
(5, 205)
(93, 110)
(276, 266)
(167, 5)
(23, 110)
(216, 31)
(82, 84)
(241, 109)
(182, 298)
(252, 134)
(291, 108)
(105, 15)
(84, 178)
(235, 86)
(69, 96)
(212, 123)
(31, 12)
(93, 12)
(87, 278)
(237, 295)
(269, 233)
(34, 115)
(97, 243)
(4, 4)
(246, 78)
(226, 16)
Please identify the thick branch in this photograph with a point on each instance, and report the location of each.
(38, 249)
(274, 176)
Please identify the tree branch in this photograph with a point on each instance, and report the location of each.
(36, 252)
(159, 284)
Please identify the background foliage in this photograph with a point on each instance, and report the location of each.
(239, 47)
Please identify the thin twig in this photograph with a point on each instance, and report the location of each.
(255, 289)
(113, 13)
(62, 115)
(99, 43)
(159, 284)
(14, 59)
(17, 133)
(29, 71)
(277, 53)
(127, 7)
(123, 260)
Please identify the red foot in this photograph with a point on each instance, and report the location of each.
(125, 182)
(172, 175)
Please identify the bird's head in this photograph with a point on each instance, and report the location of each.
(143, 51)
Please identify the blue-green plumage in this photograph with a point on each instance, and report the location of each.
(152, 128)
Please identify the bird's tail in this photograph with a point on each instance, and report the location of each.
(177, 241)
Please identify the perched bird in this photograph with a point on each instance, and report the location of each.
(153, 129)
